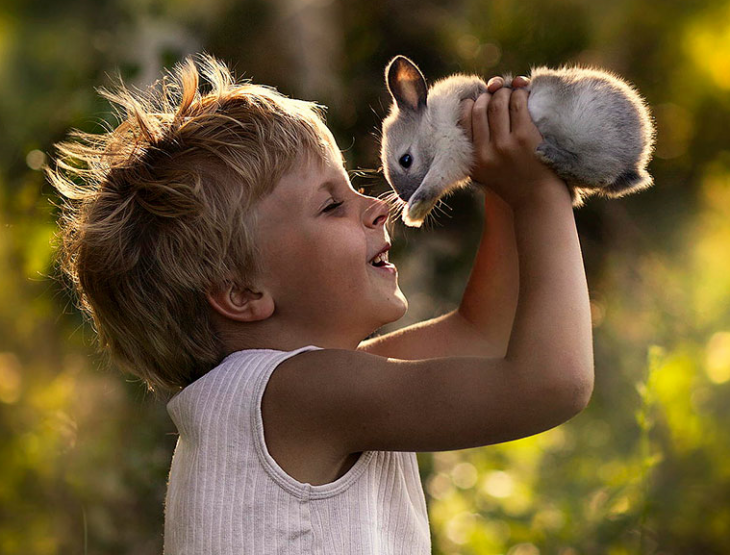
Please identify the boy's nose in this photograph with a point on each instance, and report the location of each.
(377, 213)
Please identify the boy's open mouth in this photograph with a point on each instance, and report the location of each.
(380, 260)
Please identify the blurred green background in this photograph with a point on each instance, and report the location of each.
(84, 451)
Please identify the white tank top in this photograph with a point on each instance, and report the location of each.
(226, 494)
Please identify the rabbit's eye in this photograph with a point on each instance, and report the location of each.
(406, 160)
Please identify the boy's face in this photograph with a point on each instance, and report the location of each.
(317, 252)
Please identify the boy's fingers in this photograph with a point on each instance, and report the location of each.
(465, 111)
(518, 109)
(494, 84)
(522, 123)
(498, 115)
(520, 81)
(479, 120)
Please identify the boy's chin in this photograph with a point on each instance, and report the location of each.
(396, 310)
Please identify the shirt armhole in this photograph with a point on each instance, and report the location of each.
(303, 491)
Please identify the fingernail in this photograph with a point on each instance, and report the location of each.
(494, 80)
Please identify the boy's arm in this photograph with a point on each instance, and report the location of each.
(354, 401)
(482, 323)
(357, 401)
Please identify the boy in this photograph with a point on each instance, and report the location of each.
(222, 254)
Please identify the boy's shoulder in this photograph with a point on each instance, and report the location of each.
(296, 408)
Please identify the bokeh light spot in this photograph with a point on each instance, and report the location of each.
(464, 475)
(439, 486)
(707, 42)
(718, 358)
(499, 484)
(35, 159)
(460, 527)
(467, 46)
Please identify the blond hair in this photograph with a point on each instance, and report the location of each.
(161, 208)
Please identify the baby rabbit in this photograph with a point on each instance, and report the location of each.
(598, 133)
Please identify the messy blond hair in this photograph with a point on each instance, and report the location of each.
(161, 208)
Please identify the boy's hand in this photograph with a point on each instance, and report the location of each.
(505, 139)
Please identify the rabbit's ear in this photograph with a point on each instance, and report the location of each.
(406, 84)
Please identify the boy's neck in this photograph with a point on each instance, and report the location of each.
(260, 336)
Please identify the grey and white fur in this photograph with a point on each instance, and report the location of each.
(598, 133)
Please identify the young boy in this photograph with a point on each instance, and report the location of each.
(217, 244)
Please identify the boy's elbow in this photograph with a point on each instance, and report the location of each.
(565, 390)
(576, 388)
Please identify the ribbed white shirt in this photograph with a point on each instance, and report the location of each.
(226, 494)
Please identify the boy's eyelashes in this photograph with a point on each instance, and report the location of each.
(332, 206)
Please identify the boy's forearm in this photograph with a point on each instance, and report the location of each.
(481, 325)
(552, 335)
(490, 297)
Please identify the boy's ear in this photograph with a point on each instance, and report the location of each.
(406, 84)
(241, 304)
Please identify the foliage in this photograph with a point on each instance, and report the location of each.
(85, 454)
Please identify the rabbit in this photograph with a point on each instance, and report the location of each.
(598, 133)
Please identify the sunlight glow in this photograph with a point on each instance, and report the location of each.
(718, 358)
(499, 484)
(707, 42)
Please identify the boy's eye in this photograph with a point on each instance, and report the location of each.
(331, 206)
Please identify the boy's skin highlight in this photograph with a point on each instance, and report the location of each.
(316, 236)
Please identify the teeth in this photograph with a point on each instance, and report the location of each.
(382, 257)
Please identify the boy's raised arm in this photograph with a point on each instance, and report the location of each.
(482, 324)
(364, 402)
(552, 305)
(553, 309)
(552, 320)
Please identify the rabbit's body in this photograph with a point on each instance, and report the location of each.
(597, 131)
